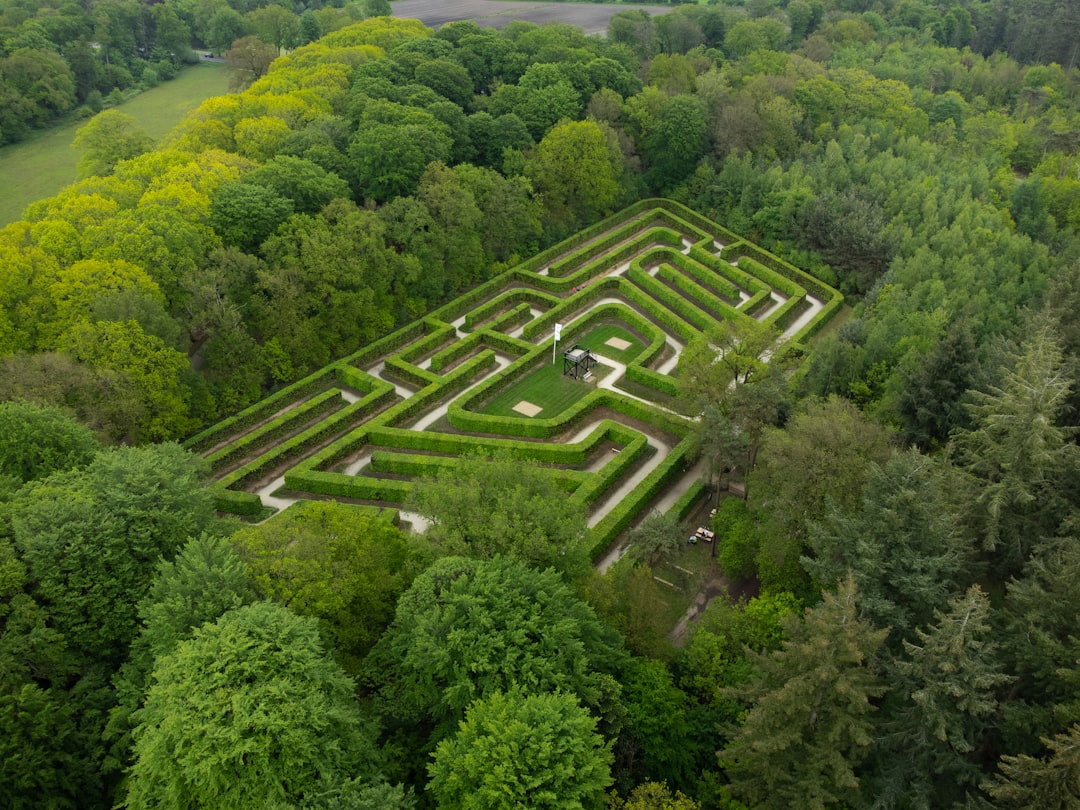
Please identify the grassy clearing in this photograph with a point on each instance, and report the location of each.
(596, 339)
(545, 387)
(45, 163)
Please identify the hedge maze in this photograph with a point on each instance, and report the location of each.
(638, 285)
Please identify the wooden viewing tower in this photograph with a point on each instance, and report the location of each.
(578, 362)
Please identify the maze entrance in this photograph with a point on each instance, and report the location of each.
(578, 362)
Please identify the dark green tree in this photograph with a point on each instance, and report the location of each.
(36, 441)
(468, 628)
(328, 561)
(485, 507)
(901, 544)
(92, 537)
(809, 726)
(943, 705)
(1050, 783)
(1017, 455)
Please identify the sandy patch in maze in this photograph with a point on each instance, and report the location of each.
(617, 343)
(527, 408)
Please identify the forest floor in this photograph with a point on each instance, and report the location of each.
(45, 163)
(592, 18)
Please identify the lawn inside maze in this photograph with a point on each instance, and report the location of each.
(477, 376)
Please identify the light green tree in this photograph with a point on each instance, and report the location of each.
(248, 712)
(37, 440)
(106, 139)
(329, 561)
(576, 169)
(92, 537)
(520, 750)
(1017, 454)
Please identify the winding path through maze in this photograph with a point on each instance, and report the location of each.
(650, 278)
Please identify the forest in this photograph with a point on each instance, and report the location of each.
(908, 540)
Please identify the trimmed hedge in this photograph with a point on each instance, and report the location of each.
(670, 299)
(229, 501)
(437, 333)
(771, 277)
(286, 423)
(687, 501)
(778, 265)
(634, 447)
(618, 519)
(312, 437)
(401, 369)
(262, 409)
(520, 314)
(422, 466)
(696, 292)
(493, 305)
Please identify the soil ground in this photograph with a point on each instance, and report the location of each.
(591, 18)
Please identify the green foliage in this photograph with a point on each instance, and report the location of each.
(36, 441)
(250, 710)
(736, 538)
(652, 796)
(818, 463)
(1017, 455)
(91, 538)
(329, 561)
(206, 580)
(902, 545)
(514, 749)
(947, 687)
(466, 629)
(1048, 782)
(489, 506)
(809, 724)
(108, 138)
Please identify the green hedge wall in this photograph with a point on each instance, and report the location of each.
(300, 444)
(287, 422)
(670, 299)
(633, 448)
(724, 311)
(618, 519)
(409, 373)
(229, 501)
(687, 501)
(260, 410)
(515, 296)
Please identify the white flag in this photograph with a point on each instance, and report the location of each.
(558, 331)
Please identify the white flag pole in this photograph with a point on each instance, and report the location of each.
(555, 342)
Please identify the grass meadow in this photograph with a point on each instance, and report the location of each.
(45, 163)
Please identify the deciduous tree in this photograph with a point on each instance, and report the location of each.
(249, 712)
(515, 749)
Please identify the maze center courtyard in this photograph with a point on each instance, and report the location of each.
(481, 376)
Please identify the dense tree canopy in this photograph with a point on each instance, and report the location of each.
(920, 157)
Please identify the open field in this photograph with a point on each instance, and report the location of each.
(45, 163)
(592, 18)
(364, 427)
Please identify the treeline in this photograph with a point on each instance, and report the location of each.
(56, 58)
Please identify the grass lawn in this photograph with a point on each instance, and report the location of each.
(545, 387)
(45, 163)
(596, 339)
